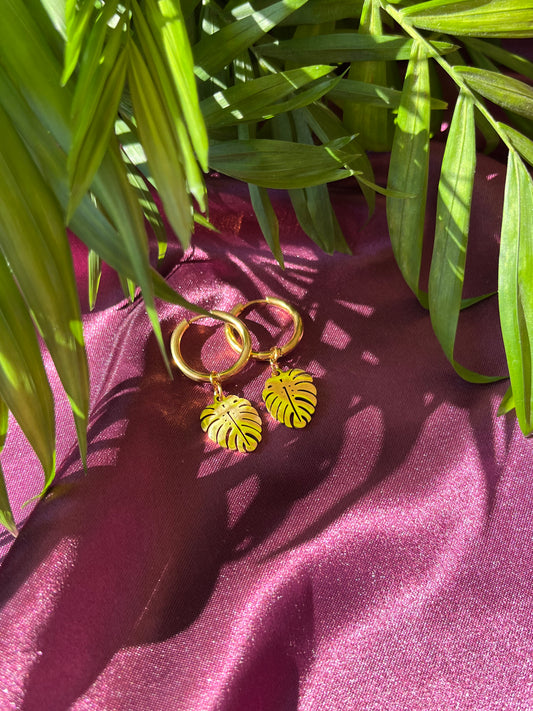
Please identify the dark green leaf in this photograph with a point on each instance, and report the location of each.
(267, 220)
(408, 171)
(317, 12)
(343, 47)
(515, 286)
(313, 205)
(278, 164)
(512, 61)
(327, 127)
(360, 92)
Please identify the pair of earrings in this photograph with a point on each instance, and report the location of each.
(289, 395)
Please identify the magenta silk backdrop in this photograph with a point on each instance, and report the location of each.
(379, 559)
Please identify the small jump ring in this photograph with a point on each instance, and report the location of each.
(245, 348)
(293, 341)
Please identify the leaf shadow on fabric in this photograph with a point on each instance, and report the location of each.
(131, 554)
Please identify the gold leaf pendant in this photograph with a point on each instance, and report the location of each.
(290, 397)
(232, 423)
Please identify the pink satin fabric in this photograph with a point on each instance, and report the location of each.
(379, 559)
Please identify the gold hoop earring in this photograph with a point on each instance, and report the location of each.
(230, 421)
(289, 395)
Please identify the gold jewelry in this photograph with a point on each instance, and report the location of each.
(230, 421)
(289, 395)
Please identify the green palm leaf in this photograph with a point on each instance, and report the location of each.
(515, 286)
(216, 51)
(24, 387)
(6, 514)
(40, 259)
(451, 234)
(168, 24)
(492, 18)
(343, 47)
(408, 171)
(280, 164)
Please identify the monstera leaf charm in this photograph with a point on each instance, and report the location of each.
(290, 397)
(232, 423)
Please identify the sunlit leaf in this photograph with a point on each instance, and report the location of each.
(55, 10)
(77, 16)
(522, 144)
(125, 212)
(481, 18)
(40, 259)
(451, 232)
(34, 69)
(91, 137)
(164, 156)
(96, 62)
(168, 24)
(24, 386)
(408, 171)
(507, 402)
(505, 91)
(94, 269)
(262, 98)
(278, 164)
(515, 286)
(216, 51)
(149, 206)
(168, 92)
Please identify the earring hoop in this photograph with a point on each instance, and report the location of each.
(230, 421)
(296, 336)
(245, 348)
